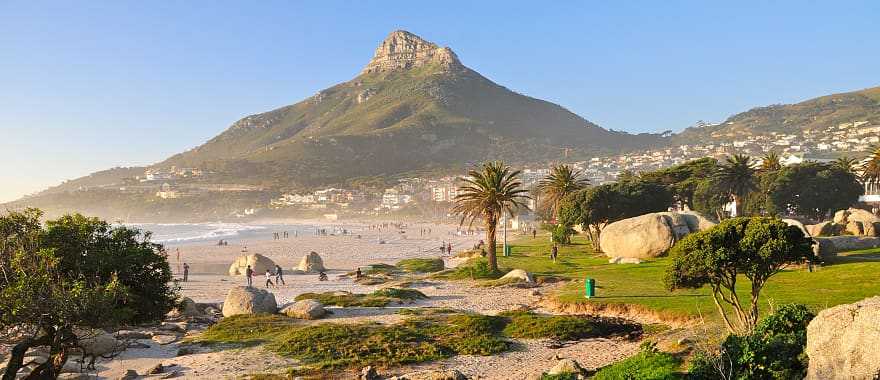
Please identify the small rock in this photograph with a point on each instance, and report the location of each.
(155, 370)
(535, 293)
(164, 339)
(566, 366)
(130, 374)
(132, 335)
(305, 309)
(138, 345)
(183, 351)
(174, 327)
(369, 373)
(170, 375)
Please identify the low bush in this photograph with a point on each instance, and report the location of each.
(775, 350)
(380, 268)
(379, 298)
(529, 325)
(421, 265)
(246, 329)
(648, 364)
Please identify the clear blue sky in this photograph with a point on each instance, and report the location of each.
(95, 84)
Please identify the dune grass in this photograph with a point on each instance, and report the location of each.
(420, 265)
(379, 298)
(845, 279)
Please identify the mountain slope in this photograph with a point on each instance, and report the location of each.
(814, 115)
(413, 107)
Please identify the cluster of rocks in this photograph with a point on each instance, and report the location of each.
(250, 300)
(370, 373)
(403, 50)
(310, 263)
(650, 235)
(852, 221)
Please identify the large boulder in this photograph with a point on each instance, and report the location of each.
(518, 275)
(248, 300)
(649, 235)
(311, 263)
(566, 367)
(97, 342)
(822, 229)
(842, 341)
(305, 309)
(832, 245)
(799, 225)
(858, 220)
(258, 263)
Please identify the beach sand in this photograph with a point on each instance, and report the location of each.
(208, 282)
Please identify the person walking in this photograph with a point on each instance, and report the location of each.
(553, 252)
(269, 279)
(449, 248)
(249, 273)
(279, 275)
(185, 272)
(534, 233)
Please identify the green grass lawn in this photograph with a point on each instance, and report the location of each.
(846, 279)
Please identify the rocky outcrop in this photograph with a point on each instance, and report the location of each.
(832, 245)
(311, 263)
(248, 300)
(799, 225)
(305, 309)
(823, 229)
(858, 222)
(518, 275)
(404, 50)
(842, 342)
(649, 235)
(566, 367)
(258, 263)
(96, 342)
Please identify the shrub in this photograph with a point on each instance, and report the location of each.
(775, 350)
(246, 329)
(400, 294)
(473, 269)
(530, 325)
(345, 299)
(648, 364)
(421, 265)
(379, 269)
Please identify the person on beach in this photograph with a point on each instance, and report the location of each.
(249, 273)
(442, 248)
(322, 276)
(185, 272)
(279, 275)
(357, 273)
(269, 279)
(534, 233)
(449, 248)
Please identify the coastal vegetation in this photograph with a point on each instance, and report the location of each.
(62, 284)
(379, 298)
(424, 336)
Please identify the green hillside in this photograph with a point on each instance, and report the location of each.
(815, 115)
(414, 108)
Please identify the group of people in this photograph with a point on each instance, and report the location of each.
(223, 242)
(278, 275)
(445, 248)
(282, 235)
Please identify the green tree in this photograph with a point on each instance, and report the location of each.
(593, 208)
(755, 248)
(813, 189)
(737, 177)
(487, 193)
(563, 180)
(846, 163)
(770, 162)
(682, 180)
(78, 274)
(710, 199)
(871, 168)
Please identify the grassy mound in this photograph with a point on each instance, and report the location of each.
(376, 269)
(379, 298)
(529, 325)
(421, 265)
(339, 346)
(473, 269)
(647, 364)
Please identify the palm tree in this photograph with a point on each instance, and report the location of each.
(563, 180)
(846, 164)
(486, 193)
(871, 169)
(770, 162)
(737, 177)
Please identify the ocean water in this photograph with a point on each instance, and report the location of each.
(192, 233)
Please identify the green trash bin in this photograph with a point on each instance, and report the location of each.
(590, 288)
(507, 250)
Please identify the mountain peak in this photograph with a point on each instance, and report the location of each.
(404, 50)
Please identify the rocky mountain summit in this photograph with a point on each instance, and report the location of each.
(404, 50)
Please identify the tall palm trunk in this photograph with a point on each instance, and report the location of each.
(739, 206)
(491, 225)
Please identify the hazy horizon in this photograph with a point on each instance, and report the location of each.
(92, 86)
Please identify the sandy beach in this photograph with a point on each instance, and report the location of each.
(209, 283)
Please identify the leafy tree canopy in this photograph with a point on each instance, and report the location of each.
(756, 248)
(813, 189)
